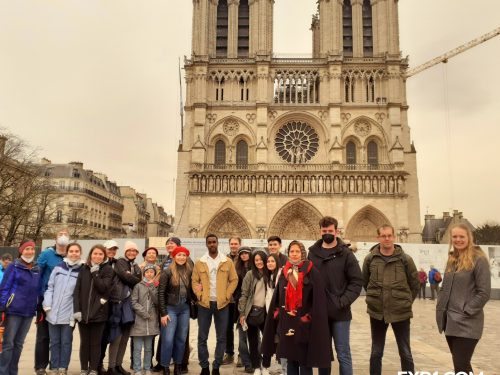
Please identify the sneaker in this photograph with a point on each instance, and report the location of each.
(264, 371)
(215, 371)
(41, 371)
(228, 359)
(138, 373)
(157, 368)
(249, 369)
(121, 370)
(205, 371)
(83, 372)
(257, 371)
(92, 372)
(238, 362)
(62, 371)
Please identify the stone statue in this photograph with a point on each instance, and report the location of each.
(391, 185)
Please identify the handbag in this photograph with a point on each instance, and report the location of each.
(193, 310)
(256, 316)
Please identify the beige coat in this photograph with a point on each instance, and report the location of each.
(227, 280)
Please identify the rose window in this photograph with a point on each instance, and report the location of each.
(296, 142)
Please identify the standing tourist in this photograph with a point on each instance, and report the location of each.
(175, 295)
(274, 247)
(343, 280)
(58, 307)
(391, 282)
(422, 278)
(297, 315)
(47, 260)
(214, 281)
(4, 263)
(434, 281)
(150, 256)
(466, 289)
(145, 304)
(91, 306)
(22, 281)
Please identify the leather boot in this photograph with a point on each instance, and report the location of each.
(177, 369)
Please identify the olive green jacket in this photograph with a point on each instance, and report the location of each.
(391, 285)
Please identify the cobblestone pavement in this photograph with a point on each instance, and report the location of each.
(430, 351)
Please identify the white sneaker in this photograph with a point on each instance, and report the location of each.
(257, 371)
(264, 371)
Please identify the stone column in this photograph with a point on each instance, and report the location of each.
(254, 27)
(232, 32)
(211, 25)
(392, 15)
(357, 28)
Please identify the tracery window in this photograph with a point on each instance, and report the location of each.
(220, 153)
(372, 150)
(350, 152)
(296, 142)
(349, 86)
(370, 90)
(242, 154)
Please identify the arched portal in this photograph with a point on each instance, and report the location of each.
(363, 225)
(296, 220)
(228, 223)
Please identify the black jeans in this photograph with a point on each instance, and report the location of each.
(90, 345)
(293, 368)
(461, 349)
(402, 333)
(253, 344)
(230, 329)
(42, 345)
(421, 290)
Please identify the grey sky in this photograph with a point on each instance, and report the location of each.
(96, 81)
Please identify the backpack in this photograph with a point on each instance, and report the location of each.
(437, 277)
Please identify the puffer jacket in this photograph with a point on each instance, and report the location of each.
(59, 294)
(391, 285)
(47, 261)
(168, 294)
(91, 295)
(20, 289)
(145, 304)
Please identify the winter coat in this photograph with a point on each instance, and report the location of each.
(431, 277)
(20, 289)
(145, 305)
(2, 270)
(422, 277)
(459, 309)
(310, 343)
(245, 302)
(168, 294)
(47, 260)
(59, 294)
(341, 275)
(270, 290)
(227, 280)
(391, 285)
(91, 295)
(128, 274)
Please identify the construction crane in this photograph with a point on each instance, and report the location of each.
(444, 58)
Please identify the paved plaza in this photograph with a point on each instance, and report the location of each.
(430, 350)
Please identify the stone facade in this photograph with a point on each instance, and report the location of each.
(271, 144)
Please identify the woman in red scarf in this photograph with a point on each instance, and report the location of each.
(297, 313)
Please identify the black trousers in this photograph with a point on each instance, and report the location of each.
(461, 349)
(42, 344)
(253, 344)
(90, 345)
(230, 329)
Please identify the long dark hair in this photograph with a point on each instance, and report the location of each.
(255, 271)
(98, 247)
(273, 274)
(242, 267)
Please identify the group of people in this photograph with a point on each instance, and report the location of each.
(277, 301)
(434, 277)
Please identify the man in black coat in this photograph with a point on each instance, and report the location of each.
(343, 280)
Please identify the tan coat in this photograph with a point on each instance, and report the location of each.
(227, 280)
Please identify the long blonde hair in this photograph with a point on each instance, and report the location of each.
(463, 260)
(185, 275)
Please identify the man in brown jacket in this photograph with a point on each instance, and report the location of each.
(214, 281)
(390, 279)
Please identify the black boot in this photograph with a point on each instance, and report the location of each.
(166, 370)
(177, 369)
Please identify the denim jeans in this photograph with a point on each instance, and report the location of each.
(139, 342)
(173, 336)
(293, 368)
(243, 347)
(204, 322)
(42, 344)
(61, 342)
(16, 329)
(340, 332)
(232, 312)
(402, 333)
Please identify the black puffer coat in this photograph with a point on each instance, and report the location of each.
(91, 294)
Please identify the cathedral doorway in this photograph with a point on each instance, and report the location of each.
(363, 225)
(228, 223)
(296, 220)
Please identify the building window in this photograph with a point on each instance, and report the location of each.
(220, 153)
(59, 216)
(76, 173)
(347, 27)
(222, 28)
(367, 29)
(296, 142)
(349, 86)
(370, 90)
(243, 28)
(350, 153)
(242, 154)
(372, 153)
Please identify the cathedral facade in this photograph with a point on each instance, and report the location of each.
(270, 145)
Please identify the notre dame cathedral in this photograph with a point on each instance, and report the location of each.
(270, 145)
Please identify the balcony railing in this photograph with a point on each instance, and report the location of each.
(292, 167)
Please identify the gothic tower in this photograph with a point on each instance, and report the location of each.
(272, 144)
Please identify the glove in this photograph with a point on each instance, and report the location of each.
(94, 268)
(77, 316)
(47, 308)
(2, 318)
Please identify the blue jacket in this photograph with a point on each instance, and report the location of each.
(431, 276)
(59, 294)
(20, 289)
(1, 272)
(46, 261)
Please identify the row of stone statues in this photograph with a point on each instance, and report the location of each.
(208, 183)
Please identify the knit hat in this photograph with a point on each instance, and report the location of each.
(180, 249)
(129, 245)
(175, 240)
(24, 245)
(244, 249)
(149, 267)
(109, 244)
(149, 248)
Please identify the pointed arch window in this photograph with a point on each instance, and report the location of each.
(367, 28)
(370, 90)
(220, 153)
(243, 28)
(347, 27)
(349, 86)
(242, 154)
(222, 28)
(372, 150)
(350, 152)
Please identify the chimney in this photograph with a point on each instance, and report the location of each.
(446, 215)
(45, 161)
(430, 217)
(3, 142)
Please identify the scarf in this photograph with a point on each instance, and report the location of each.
(295, 278)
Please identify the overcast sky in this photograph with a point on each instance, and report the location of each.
(97, 81)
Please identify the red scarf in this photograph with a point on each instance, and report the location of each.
(293, 296)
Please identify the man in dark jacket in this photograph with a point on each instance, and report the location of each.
(274, 247)
(340, 271)
(391, 282)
